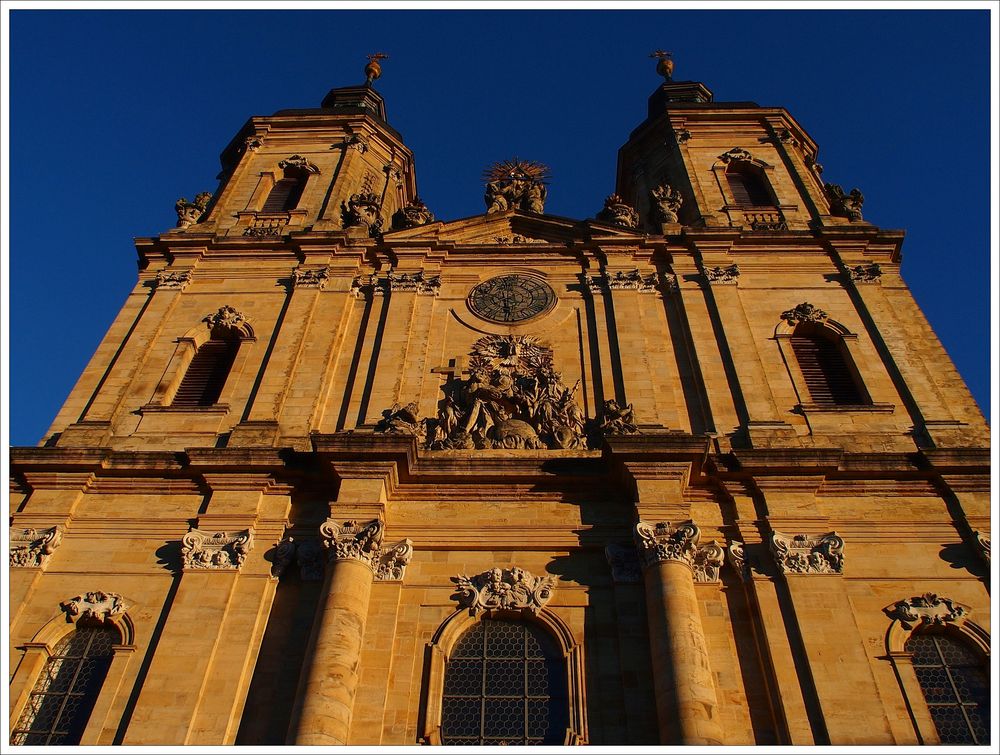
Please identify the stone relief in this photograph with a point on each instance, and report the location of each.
(401, 420)
(617, 419)
(417, 281)
(31, 548)
(631, 280)
(514, 398)
(218, 550)
(511, 589)
(364, 286)
(414, 214)
(843, 204)
(624, 562)
(736, 154)
(363, 210)
(227, 318)
(667, 542)
(808, 554)
(297, 162)
(722, 274)
(515, 185)
(171, 279)
(926, 609)
(517, 238)
(95, 606)
(307, 554)
(352, 141)
(866, 273)
(804, 312)
(304, 277)
(356, 541)
(665, 202)
(616, 212)
(189, 213)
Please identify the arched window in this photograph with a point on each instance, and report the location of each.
(206, 374)
(748, 185)
(64, 695)
(956, 687)
(286, 193)
(504, 684)
(825, 367)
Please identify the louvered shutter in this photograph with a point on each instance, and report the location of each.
(206, 375)
(826, 373)
(749, 189)
(284, 195)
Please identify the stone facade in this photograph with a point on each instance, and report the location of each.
(391, 459)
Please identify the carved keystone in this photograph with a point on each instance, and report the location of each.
(95, 606)
(511, 589)
(927, 609)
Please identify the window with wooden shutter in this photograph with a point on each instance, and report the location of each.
(206, 375)
(827, 375)
(749, 187)
(285, 195)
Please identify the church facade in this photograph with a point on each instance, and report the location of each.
(695, 470)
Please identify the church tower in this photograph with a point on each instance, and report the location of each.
(695, 470)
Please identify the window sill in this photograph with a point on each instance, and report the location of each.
(853, 408)
(159, 408)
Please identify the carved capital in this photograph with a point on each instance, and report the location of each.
(354, 541)
(804, 312)
(253, 143)
(682, 135)
(310, 277)
(511, 589)
(95, 606)
(808, 554)
(707, 562)
(736, 555)
(417, 281)
(667, 542)
(624, 562)
(927, 609)
(216, 550)
(717, 274)
(171, 279)
(866, 273)
(31, 548)
(352, 141)
(307, 554)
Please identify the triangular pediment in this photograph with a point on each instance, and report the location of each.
(514, 227)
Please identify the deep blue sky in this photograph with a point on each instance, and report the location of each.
(115, 114)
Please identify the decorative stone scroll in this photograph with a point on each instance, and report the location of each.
(30, 548)
(95, 606)
(363, 209)
(364, 286)
(189, 213)
(843, 204)
(664, 541)
(308, 554)
(418, 281)
(297, 162)
(413, 214)
(808, 554)
(736, 154)
(172, 279)
(617, 419)
(218, 550)
(511, 589)
(866, 273)
(515, 185)
(707, 562)
(624, 562)
(665, 202)
(717, 274)
(736, 555)
(617, 212)
(362, 542)
(622, 280)
(804, 312)
(927, 609)
(227, 318)
(304, 277)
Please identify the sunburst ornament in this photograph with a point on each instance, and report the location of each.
(516, 169)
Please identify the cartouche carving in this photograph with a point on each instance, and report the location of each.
(95, 606)
(297, 162)
(616, 212)
(216, 550)
(843, 204)
(189, 213)
(665, 202)
(624, 562)
(362, 542)
(227, 318)
(172, 279)
(511, 589)
(871, 273)
(808, 554)
(927, 610)
(804, 312)
(515, 185)
(722, 274)
(31, 548)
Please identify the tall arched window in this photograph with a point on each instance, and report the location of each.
(504, 683)
(206, 374)
(956, 687)
(825, 367)
(64, 695)
(748, 185)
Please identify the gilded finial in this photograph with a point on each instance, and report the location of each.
(664, 63)
(373, 70)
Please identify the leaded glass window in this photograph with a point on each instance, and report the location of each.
(64, 695)
(956, 687)
(505, 683)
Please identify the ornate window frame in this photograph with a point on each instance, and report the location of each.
(109, 706)
(734, 210)
(443, 643)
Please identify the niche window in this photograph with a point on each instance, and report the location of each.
(828, 375)
(64, 695)
(748, 185)
(955, 686)
(504, 684)
(209, 368)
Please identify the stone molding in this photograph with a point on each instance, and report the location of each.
(511, 589)
(723, 275)
(804, 312)
(31, 548)
(624, 562)
(96, 606)
(310, 277)
(216, 550)
(307, 554)
(172, 279)
(808, 554)
(355, 541)
(871, 273)
(928, 609)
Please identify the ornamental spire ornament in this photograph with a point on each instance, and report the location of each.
(373, 70)
(664, 63)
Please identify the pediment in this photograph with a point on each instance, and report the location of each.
(514, 227)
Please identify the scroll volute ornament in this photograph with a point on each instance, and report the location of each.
(363, 541)
(511, 589)
(31, 547)
(664, 541)
(218, 550)
(808, 554)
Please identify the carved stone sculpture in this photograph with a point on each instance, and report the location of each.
(667, 542)
(189, 213)
(737, 559)
(866, 273)
(665, 202)
(362, 542)
(616, 212)
(843, 204)
(808, 554)
(722, 274)
(308, 554)
(297, 162)
(418, 281)
(172, 279)
(624, 562)
(310, 277)
(253, 143)
(804, 312)
(617, 419)
(95, 606)
(514, 398)
(515, 185)
(631, 280)
(927, 609)
(227, 318)
(511, 589)
(218, 550)
(707, 562)
(736, 154)
(31, 548)
(363, 209)
(414, 214)
(400, 420)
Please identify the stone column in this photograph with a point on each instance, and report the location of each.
(686, 703)
(325, 704)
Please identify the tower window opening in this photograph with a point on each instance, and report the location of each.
(825, 369)
(206, 375)
(749, 186)
(285, 194)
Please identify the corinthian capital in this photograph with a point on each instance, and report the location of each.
(664, 541)
(362, 541)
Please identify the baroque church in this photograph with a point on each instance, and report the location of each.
(694, 470)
